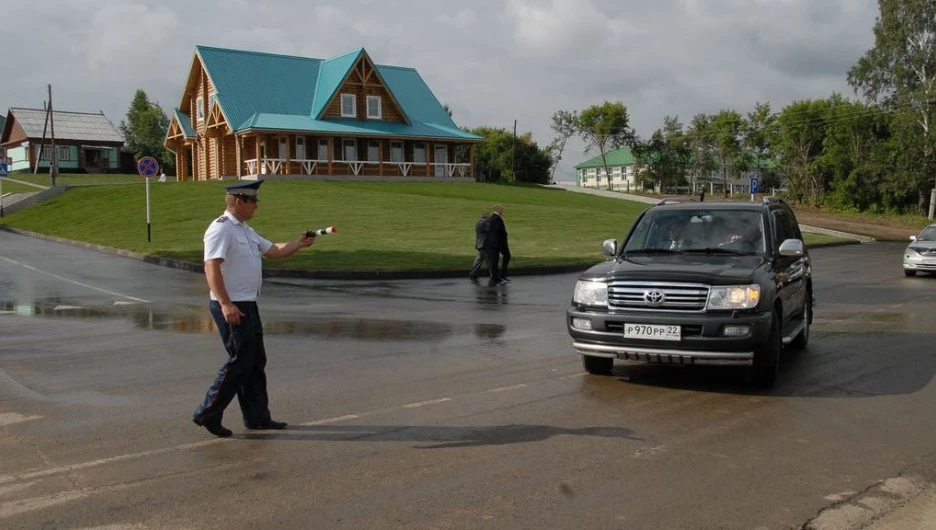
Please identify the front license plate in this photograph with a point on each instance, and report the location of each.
(651, 331)
(929, 262)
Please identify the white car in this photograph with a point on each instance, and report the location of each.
(920, 255)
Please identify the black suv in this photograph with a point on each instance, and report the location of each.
(714, 283)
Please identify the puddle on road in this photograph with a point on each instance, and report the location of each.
(200, 321)
(872, 322)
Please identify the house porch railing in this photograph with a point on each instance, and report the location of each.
(273, 166)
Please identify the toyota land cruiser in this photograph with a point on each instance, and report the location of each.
(698, 283)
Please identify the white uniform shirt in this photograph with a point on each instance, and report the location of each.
(241, 249)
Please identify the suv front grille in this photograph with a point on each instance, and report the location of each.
(657, 295)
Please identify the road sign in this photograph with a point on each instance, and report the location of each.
(147, 166)
(753, 185)
(4, 170)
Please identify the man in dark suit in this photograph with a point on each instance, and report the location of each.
(481, 232)
(498, 246)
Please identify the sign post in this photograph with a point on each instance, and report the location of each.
(3, 173)
(753, 188)
(148, 168)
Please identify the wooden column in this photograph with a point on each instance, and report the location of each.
(471, 168)
(380, 151)
(258, 155)
(238, 147)
(331, 154)
(429, 152)
(289, 145)
(177, 164)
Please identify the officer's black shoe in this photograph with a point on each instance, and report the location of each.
(269, 425)
(216, 429)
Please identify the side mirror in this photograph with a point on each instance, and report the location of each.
(791, 247)
(609, 247)
(912, 238)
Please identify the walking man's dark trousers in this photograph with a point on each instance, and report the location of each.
(243, 374)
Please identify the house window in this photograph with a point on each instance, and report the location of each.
(350, 150)
(396, 151)
(212, 98)
(419, 153)
(348, 106)
(374, 108)
(64, 153)
(323, 150)
(373, 151)
(199, 109)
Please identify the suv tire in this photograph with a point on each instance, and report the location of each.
(767, 357)
(909, 273)
(597, 365)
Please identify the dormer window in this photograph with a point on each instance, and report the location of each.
(374, 108)
(348, 106)
(199, 109)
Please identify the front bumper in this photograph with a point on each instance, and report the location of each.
(919, 263)
(702, 340)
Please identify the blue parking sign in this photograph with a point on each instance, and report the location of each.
(4, 170)
(753, 185)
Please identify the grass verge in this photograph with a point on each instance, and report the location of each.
(381, 226)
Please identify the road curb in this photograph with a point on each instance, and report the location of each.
(299, 273)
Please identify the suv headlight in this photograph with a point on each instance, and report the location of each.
(733, 297)
(591, 293)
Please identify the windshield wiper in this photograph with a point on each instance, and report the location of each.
(718, 251)
(652, 251)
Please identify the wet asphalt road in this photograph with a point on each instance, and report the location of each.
(433, 404)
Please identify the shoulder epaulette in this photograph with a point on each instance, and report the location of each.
(221, 219)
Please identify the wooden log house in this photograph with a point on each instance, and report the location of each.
(247, 114)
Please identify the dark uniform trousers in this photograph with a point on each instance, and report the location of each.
(242, 375)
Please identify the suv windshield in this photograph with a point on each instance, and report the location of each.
(698, 230)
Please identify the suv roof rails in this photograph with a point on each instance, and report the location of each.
(768, 199)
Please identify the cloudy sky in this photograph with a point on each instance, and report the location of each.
(492, 61)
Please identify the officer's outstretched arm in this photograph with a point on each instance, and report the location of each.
(284, 250)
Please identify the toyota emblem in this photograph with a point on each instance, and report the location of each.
(654, 297)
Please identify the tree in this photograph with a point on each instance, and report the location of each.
(565, 125)
(900, 71)
(726, 132)
(701, 146)
(799, 142)
(677, 154)
(145, 129)
(605, 127)
(494, 157)
(757, 132)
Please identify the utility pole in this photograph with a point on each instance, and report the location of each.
(513, 154)
(53, 171)
(45, 128)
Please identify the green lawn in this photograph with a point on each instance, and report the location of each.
(380, 226)
(78, 179)
(15, 187)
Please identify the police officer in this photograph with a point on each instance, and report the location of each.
(233, 253)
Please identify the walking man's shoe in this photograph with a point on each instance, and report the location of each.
(216, 429)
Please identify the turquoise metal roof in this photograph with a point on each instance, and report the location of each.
(293, 123)
(414, 96)
(253, 82)
(186, 123)
(331, 73)
(281, 92)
